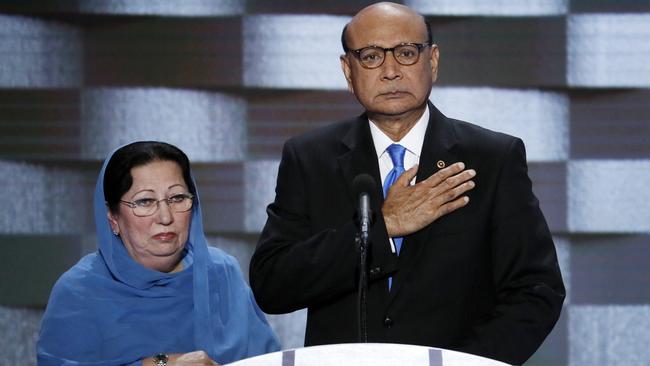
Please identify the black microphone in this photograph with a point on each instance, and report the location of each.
(363, 188)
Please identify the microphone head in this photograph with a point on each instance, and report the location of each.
(364, 183)
(363, 188)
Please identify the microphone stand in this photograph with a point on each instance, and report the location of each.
(363, 186)
(361, 240)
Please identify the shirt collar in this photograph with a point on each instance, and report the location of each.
(413, 140)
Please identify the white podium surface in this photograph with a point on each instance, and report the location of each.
(367, 354)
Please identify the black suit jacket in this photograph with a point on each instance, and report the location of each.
(483, 279)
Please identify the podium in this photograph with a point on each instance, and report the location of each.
(367, 354)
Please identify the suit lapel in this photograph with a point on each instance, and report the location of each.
(438, 146)
(359, 157)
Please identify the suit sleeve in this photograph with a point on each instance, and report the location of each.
(526, 275)
(294, 266)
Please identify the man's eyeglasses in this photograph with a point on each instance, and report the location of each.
(148, 206)
(374, 56)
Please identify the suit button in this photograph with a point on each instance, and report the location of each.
(374, 271)
(388, 322)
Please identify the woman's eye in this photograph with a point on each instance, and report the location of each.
(177, 198)
(145, 202)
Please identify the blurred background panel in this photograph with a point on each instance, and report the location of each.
(608, 50)
(610, 124)
(203, 52)
(39, 53)
(519, 52)
(489, 8)
(276, 115)
(229, 81)
(609, 6)
(305, 6)
(293, 51)
(208, 126)
(40, 124)
(189, 8)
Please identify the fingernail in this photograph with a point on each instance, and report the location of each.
(472, 172)
(461, 165)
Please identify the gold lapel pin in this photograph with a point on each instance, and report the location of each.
(440, 164)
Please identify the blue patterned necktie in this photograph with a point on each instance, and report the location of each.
(396, 153)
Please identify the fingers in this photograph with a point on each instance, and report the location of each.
(446, 173)
(457, 191)
(406, 177)
(449, 186)
(408, 209)
(192, 358)
(452, 206)
(461, 177)
(450, 178)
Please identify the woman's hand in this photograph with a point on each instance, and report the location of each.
(196, 358)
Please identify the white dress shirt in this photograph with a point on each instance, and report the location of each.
(413, 142)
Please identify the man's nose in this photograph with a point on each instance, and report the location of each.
(391, 69)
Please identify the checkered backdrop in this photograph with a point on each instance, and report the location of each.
(229, 81)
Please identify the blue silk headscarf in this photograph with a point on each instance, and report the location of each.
(109, 310)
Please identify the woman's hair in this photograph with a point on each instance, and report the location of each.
(118, 179)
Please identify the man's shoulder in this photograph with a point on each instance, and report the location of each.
(324, 135)
(468, 132)
(482, 143)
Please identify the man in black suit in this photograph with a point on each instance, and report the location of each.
(460, 254)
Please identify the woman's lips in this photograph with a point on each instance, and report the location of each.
(165, 236)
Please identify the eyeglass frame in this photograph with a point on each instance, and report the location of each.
(418, 46)
(133, 205)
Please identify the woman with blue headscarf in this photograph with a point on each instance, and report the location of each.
(154, 293)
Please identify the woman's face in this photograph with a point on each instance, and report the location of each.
(155, 241)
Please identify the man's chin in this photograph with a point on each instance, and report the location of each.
(397, 110)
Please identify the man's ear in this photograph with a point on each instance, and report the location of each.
(347, 72)
(112, 220)
(435, 58)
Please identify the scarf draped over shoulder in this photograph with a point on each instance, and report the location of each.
(109, 310)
